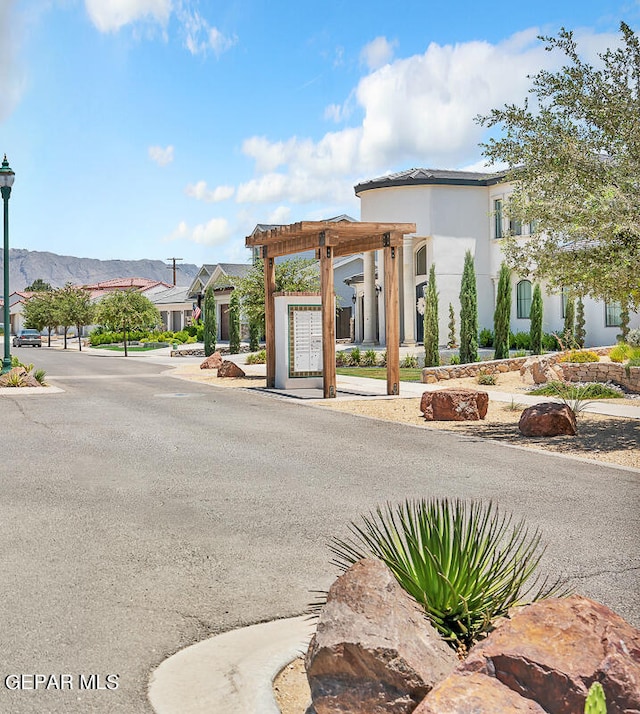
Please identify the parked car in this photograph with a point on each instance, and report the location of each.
(27, 337)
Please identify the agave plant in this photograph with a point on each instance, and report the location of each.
(464, 562)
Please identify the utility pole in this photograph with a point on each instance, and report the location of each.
(174, 268)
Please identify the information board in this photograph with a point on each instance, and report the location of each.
(305, 341)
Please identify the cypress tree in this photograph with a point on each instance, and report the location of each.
(210, 322)
(569, 326)
(468, 312)
(254, 336)
(431, 333)
(502, 314)
(535, 329)
(581, 333)
(234, 323)
(451, 342)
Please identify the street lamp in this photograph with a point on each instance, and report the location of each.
(7, 177)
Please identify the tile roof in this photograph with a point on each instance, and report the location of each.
(417, 177)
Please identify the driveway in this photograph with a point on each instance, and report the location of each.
(141, 513)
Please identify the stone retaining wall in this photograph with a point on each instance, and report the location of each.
(433, 375)
(603, 372)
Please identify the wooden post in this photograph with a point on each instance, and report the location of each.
(392, 316)
(328, 321)
(270, 318)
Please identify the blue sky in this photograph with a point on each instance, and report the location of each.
(157, 128)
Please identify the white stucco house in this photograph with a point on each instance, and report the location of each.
(454, 211)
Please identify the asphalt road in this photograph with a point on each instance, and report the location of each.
(141, 513)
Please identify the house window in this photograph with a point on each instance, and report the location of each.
(612, 316)
(515, 227)
(497, 218)
(421, 261)
(523, 299)
(533, 228)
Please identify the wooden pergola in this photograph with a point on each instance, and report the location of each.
(331, 240)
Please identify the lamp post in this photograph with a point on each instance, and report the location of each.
(7, 177)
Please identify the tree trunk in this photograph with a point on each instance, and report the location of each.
(124, 331)
(79, 339)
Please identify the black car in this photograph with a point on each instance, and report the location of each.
(27, 337)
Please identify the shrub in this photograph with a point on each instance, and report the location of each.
(591, 390)
(409, 361)
(620, 352)
(369, 359)
(343, 359)
(580, 332)
(191, 330)
(521, 341)
(464, 562)
(454, 359)
(451, 339)
(550, 342)
(383, 359)
(39, 375)
(257, 357)
(633, 338)
(355, 356)
(633, 362)
(519, 353)
(486, 378)
(485, 338)
(580, 357)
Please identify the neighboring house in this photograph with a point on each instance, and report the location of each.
(455, 211)
(220, 276)
(175, 308)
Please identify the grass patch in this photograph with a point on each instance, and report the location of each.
(120, 348)
(407, 374)
(593, 390)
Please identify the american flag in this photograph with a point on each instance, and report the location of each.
(196, 312)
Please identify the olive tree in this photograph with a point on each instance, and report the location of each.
(127, 310)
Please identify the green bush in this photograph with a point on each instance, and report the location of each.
(550, 342)
(592, 390)
(409, 362)
(464, 562)
(633, 362)
(355, 357)
(485, 338)
(259, 357)
(343, 359)
(520, 341)
(580, 357)
(620, 352)
(369, 359)
(191, 330)
(486, 378)
(454, 359)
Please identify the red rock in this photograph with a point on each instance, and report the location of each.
(374, 652)
(548, 419)
(548, 654)
(213, 361)
(463, 692)
(454, 405)
(230, 369)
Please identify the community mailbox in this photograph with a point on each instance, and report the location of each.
(298, 338)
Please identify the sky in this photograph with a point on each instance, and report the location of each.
(170, 128)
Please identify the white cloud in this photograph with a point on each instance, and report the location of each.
(377, 53)
(161, 156)
(297, 187)
(200, 36)
(201, 192)
(215, 232)
(111, 15)
(281, 215)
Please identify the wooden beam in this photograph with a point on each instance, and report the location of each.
(363, 245)
(328, 323)
(288, 247)
(343, 231)
(270, 319)
(392, 318)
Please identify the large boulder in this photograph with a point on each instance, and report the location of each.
(213, 361)
(26, 378)
(374, 652)
(542, 369)
(230, 369)
(548, 419)
(543, 659)
(454, 405)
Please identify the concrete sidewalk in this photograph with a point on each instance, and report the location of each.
(231, 673)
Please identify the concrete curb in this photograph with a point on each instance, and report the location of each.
(230, 673)
(29, 391)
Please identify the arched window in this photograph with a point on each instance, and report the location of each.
(421, 261)
(523, 300)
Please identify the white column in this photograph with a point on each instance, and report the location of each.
(408, 292)
(382, 315)
(369, 265)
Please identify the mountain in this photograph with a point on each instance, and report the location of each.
(25, 266)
